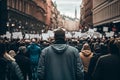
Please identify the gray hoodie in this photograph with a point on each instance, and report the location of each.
(60, 62)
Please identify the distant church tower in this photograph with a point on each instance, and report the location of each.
(75, 13)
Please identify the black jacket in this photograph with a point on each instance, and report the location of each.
(3, 64)
(107, 68)
(24, 64)
(9, 70)
(91, 67)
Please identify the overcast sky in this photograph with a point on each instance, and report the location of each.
(67, 7)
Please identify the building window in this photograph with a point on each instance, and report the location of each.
(25, 7)
(109, 0)
(14, 3)
(118, 7)
(17, 4)
(28, 8)
(20, 5)
(8, 3)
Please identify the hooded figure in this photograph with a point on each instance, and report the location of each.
(60, 61)
(86, 55)
(33, 52)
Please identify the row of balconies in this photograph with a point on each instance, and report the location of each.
(103, 10)
(109, 12)
(34, 8)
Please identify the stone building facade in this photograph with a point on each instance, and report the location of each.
(54, 16)
(106, 13)
(28, 16)
(86, 19)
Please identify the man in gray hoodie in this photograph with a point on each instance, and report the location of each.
(60, 61)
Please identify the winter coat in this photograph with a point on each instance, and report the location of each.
(34, 51)
(24, 64)
(3, 64)
(107, 68)
(9, 70)
(92, 64)
(86, 55)
(60, 62)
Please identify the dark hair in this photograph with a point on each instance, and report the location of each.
(59, 34)
(22, 49)
(117, 44)
(114, 46)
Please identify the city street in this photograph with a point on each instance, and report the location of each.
(59, 39)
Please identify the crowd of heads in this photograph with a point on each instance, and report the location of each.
(87, 46)
(97, 45)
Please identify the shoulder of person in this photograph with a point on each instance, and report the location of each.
(72, 48)
(45, 50)
(104, 56)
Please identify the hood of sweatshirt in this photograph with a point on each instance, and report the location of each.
(86, 53)
(59, 48)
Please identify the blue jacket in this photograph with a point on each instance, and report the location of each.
(34, 52)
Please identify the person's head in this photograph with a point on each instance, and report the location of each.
(12, 53)
(104, 49)
(114, 46)
(59, 34)
(22, 49)
(33, 40)
(86, 47)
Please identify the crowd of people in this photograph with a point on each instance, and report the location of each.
(60, 58)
